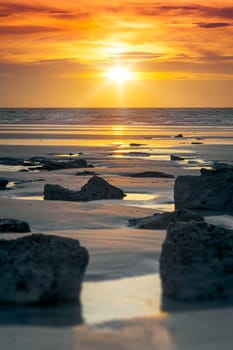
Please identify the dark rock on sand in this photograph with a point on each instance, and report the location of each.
(41, 269)
(161, 221)
(213, 190)
(59, 193)
(96, 188)
(138, 154)
(152, 174)
(174, 157)
(197, 143)
(3, 184)
(63, 164)
(178, 136)
(196, 262)
(85, 173)
(133, 144)
(13, 225)
(11, 161)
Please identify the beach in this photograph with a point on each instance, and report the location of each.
(121, 294)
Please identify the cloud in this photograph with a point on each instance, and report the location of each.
(9, 9)
(28, 29)
(213, 25)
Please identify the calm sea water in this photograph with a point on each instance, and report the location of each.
(118, 116)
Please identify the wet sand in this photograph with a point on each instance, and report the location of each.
(122, 281)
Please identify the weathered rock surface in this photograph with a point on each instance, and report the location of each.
(152, 174)
(96, 188)
(213, 190)
(41, 269)
(3, 184)
(196, 262)
(13, 225)
(161, 221)
(174, 157)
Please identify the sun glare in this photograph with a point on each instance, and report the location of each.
(119, 74)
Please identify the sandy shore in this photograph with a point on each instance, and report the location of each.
(122, 282)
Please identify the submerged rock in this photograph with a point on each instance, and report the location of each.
(13, 225)
(41, 269)
(196, 262)
(96, 188)
(85, 173)
(3, 184)
(11, 161)
(174, 157)
(161, 221)
(212, 190)
(152, 174)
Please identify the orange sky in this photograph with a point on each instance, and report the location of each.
(57, 53)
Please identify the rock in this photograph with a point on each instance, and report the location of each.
(3, 184)
(218, 165)
(59, 193)
(85, 173)
(63, 164)
(161, 221)
(57, 164)
(196, 143)
(133, 144)
(178, 136)
(174, 157)
(152, 174)
(11, 161)
(13, 225)
(41, 269)
(96, 188)
(138, 154)
(213, 190)
(196, 262)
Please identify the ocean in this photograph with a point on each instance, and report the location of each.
(118, 116)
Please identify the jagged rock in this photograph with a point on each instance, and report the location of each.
(161, 221)
(196, 262)
(174, 157)
(85, 173)
(96, 188)
(11, 161)
(152, 174)
(3, 184)
(213, 190)
(13, 225)
(41, 269)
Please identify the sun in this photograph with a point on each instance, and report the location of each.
(119, 74)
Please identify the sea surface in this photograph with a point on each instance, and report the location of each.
(118, 116)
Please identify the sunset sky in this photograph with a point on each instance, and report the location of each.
(59, 53)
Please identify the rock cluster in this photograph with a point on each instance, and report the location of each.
(196, 262)
(41, 269)
(161, 221)
(213, 190)
(13, 225)
(96, 188)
